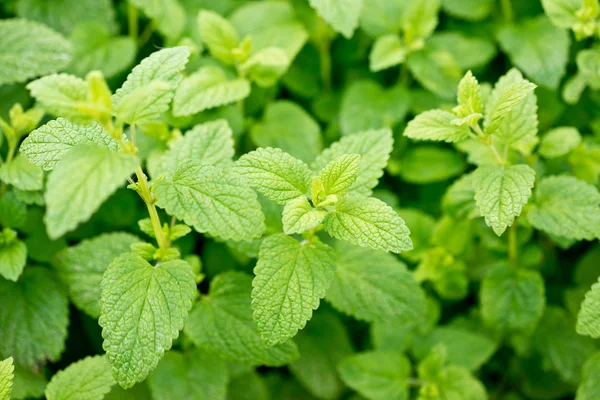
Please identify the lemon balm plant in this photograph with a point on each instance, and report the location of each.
(290, 199)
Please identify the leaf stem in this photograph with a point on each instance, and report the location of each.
(148, 197)
(512, 244)
(324, 46)
(488, 142)
(507, 11)
(132, 21)
(146, 33)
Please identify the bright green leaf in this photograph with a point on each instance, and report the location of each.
(86, 379)
(342, 15)
(387, 52)
(436, 125)
(559, 142)
(13, 256)
(588, 320)
(299, 216)
(21, 174)
(6, 378)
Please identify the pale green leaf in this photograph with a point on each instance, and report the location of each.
(387, 51)
(469, 96)
(459, 199)
(81, 267)
(509, 95)
(32, 340)
(339, 175)
(13, 256)
(588, 63)
(368, 222)
(266, 66)
(156, 77)
(51, 142)
(436, 69)
(81, 182)
(373, 146)
(22, 174)
(6, 378)
(562, 13)
(208, 88)
(468, 52)
(168, 15)
(291, 278)
(212, 200)
(377, 375)
(61, 95)
(559, 142)
(588, 319)
(189, 376)
(86, 379)
(382, 17)
(222, 322)
(275, 173)
(566, 207)
(538, 48)
(342, 15)
(589, 387)
(420, 19)
(373, 286)
(436, 125)
(210, 143)
(323, 343)
(143, 308)
(299, 216)
(470, 10)
(30, 49)
(288, 126)
(501, 192)
(219, 35)
(512, 299)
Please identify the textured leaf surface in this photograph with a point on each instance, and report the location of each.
(210, 143)
(30, 49)
(275, 173)
(6, 378)
(512, 299)
(218, 34)
(436, 125)
(208, 88)
(25, 336)
(61, 95)
(368, 222)
(81, 182)
(588, 320)
(13, 257)
(143, 308)
(291, 278)
(212, 200)
(342, 15)
(299, 216)
(374, 286)
(566, 207)
(87, 379)
(374, 148)
(377, 375)
(150, 86)
(190, 376)
(81, 267)
(340, 174)
(501, 192)
(222, 322)
(51, 142)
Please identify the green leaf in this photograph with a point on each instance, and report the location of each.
(588, 63)
(374, 286)
(275, 173)
(510, 95)
(187, 376)
(373, 146)
(222, 322)
(377, 375)
(6, 378)
(32, 340)
(287, 126)
(210, 143)
(437, 70)
(512, 299)
(150, 86)
(86, 379)
(208, 88)
(219, 35)
(81, 267)
(342, 15)
(299, 216)
(266, 66)
(366, 105)
(559, 142)
(51, 142)
(168, 15)
(589, 387)
(538, 48)
(566, 207)
(28, 384)
(136, 296)
(428, 164)
(419, 20)
(588, 319)
(368, 222)
(61, 95)
(339, 175)
(291, 278)
(323, 344)
(387, 52)
(381, 17)
(96, 49)
(469, 96)
(436, 125)
(21, 174)
(13, 256)
(81, 182)
(212, 200)
(470, 10)
(501, 192)
(459, 199)
(30, 49)
(562, 13)
(468, 52)
(13, 212)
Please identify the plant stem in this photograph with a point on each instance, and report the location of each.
(496, 154)
(488, 142)
(148, 197)
(132, 21)
(404, 78)
(512, 244)
(507, 11)
(146, 33)
(325, 63)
